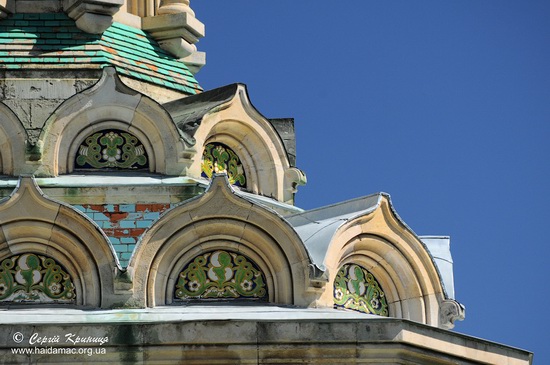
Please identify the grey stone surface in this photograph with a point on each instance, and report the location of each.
(33, 95)
(233, 334)
(188, 112)
(92, 16)
(285, 129)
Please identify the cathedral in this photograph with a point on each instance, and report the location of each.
(144, 220)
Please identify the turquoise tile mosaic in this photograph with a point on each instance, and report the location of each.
(27, 40)
(124, 224)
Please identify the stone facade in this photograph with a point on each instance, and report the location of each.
(156, 220)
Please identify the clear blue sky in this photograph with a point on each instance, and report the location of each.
(443, 104)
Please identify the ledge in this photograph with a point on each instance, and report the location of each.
(92, 16)
(236, 334)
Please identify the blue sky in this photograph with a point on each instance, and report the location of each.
(445, 105)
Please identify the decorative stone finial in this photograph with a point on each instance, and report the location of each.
(174, 7)
(177, 30)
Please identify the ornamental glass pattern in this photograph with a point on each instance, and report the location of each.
(357, 289)
(221, 274)
(111, 149)
(35, 278)
(218, 158)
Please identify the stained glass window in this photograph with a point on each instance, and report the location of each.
(111, 149)
(218, 158)
(36, 279)
(221, 275)
(357, 289)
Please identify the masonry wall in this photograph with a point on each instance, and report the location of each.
(33, 95)
(124, 223)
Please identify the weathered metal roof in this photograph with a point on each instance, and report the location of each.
(188, 112)
(53, 40)
(317, 227)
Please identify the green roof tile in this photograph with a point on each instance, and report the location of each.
(54, 39)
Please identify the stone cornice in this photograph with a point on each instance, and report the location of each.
(92, 16)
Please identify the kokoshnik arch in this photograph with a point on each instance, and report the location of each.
(130, 192)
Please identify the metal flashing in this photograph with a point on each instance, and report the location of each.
(316, 227)
(440, 249)
(182, 313)
(279, 207)
(107, 180)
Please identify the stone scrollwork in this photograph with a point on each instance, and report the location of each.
(293, 178)
(450, 311)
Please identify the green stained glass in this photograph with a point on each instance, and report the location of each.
(218, 158)
(36, 279)
(112, 149)
(356, 288)
(221, 275)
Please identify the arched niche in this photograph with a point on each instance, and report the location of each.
(12, 142)
(110, 104)
(382, 244)
(220, 220)
(240, 127)
(30, 223)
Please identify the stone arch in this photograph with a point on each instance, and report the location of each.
(239, 126)
(12, 142)
(110, 104)
(220, 219)
(32, 223)
(382, 244)
(400, 282)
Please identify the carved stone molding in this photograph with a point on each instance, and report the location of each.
(174, 7)
(293, 178)
(177, 30)
(92, 16)
(450, 311)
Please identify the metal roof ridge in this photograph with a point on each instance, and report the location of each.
(349, 202)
